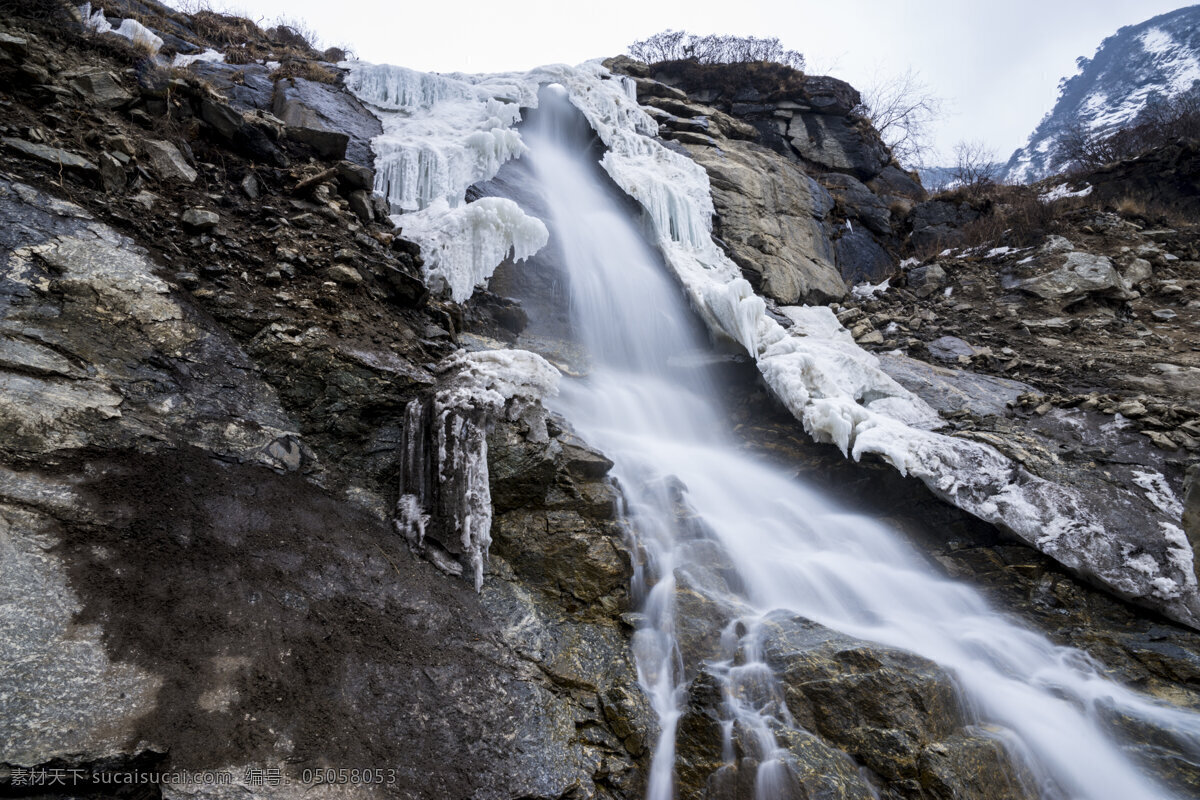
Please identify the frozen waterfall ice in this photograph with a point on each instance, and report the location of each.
(792, 548)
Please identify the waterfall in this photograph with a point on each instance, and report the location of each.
(649, 407)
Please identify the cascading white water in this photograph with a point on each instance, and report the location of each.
(793, 549)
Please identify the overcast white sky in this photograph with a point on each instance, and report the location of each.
(996, 65)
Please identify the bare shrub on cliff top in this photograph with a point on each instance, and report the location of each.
(672, 45)
(903, 109)
(975, 165)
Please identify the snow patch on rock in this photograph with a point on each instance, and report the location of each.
(1158, 492)
(131, 29)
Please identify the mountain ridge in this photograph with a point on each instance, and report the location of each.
(1157, 58)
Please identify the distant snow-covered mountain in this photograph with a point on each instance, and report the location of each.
(1158, 57)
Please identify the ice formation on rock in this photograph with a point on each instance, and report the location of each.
(444, 472)
(209, 56)
(462, 246)
(131, 29)
(441, 134)
(837, 390)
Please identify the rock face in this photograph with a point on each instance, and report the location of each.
(770, 218)
(803, 188)
(140, 404)
(200, 453)
(937, 223)
(168, 162)
(334, 123)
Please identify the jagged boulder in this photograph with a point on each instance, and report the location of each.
(325, 117)
(1082, 274)
(858, 202)
(167, 162)
(247, 87)
(895, 186)
(98, 87)
(53, 156)
(861, 258)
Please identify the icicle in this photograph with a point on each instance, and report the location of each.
(463, 246)
(445, 505)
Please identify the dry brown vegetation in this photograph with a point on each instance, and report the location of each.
(225, 29)
(303, 68)
(771, 80)
(1149, 212)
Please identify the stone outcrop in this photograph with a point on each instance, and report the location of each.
(1068, 356)
(334, 123)
(770, 217)
(803, 188)
(852, 719)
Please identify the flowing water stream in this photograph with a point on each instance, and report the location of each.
(792, 549)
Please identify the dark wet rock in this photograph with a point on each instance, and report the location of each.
(858, 202)
(894, 185)
(1165, 176)
(123, 399)
(861, 258)
(926, 279)
(224, 119)
(15, 47)
(112, 173)
(937, 223)
(852, 704)
(836, 142)
(355, 177)
(99, 88)
(361, 206)
(52, 156)
(895, 712)
(247, 87)
(327, 118)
